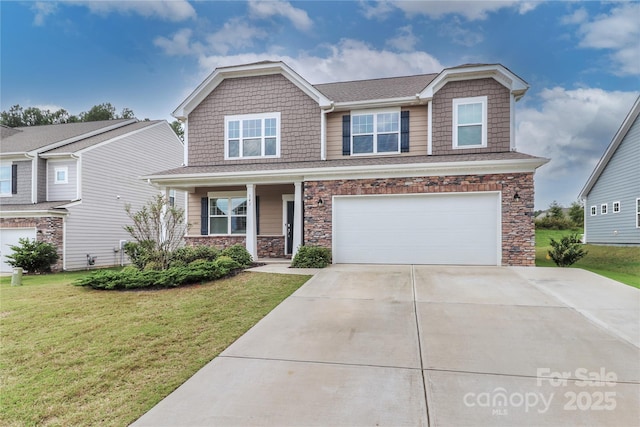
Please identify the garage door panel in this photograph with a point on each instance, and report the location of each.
(420, 229)
(10, 237)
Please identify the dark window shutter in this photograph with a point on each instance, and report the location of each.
(257, 215)
(204, 216)
(14, 179)
(346, 135)
(404, 131)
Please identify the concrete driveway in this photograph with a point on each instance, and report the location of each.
(428, 345)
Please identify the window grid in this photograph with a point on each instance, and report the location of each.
(252, 136)
(227, 215)
(603, 209)
(375, 133)
(594, 210)
(5, 180)
(470, 122)
(616, 207)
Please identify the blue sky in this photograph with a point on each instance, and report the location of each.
(582, 59)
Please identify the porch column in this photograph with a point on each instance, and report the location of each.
(251, 239)
(297, 218)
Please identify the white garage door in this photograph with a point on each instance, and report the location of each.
(10, 236)
(460, 228)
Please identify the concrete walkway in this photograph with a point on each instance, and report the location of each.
(427, 345)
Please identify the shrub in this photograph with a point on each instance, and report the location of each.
(33, 256)
(552, 223)
(140, 254)
(312, 257)
(239, 254)
(131, 278)
(187, 254)
(566, 251)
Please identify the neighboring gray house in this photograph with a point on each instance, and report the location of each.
(612, 192)
(418, 169)
(68, 184)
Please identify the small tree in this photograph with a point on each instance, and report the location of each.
(576, 214)
(555, 210)
(567, 251)
(158, 228)
(33, 256)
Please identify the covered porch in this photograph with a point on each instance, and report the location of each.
(265, 217)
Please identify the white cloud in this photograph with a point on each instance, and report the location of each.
(617, 31)
(472, 10)
(572, 128)
(42, 9)
(405, 40)
(179, 44)
(236, 33)
(459, 33)
(170, 10)
(267, 9)
(376, 10)
(343, 62)
(577, 17)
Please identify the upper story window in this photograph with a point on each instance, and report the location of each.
(375, 132)
(5, 180)
(61, 175)
(252, 136)
(470, 122)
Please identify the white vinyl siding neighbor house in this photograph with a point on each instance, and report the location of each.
(614, 188)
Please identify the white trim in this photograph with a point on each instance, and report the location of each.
(185, 155)
(429, 128)
(34, 180)
(375, 113)
(8, 164)
(457, 102)
(297, 218)
(443, 193)
(615, 205)
(34, 213)
(638, 213)
(116, 138)
(286, 198)
(64, 169)
(351, 172)
(512, 123)
(240, 118)
(225, 195)
(594, 210)
(251, 239)
(604, 209)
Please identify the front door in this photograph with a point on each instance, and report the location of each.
(288, 237)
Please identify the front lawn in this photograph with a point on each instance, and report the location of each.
(621, 263)
(75, 356)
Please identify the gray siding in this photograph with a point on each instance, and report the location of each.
(110, 180)
(42, 180)
(23, 197)
(619, 182)
(68, 191)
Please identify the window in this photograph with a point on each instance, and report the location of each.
(60, 176)
(594, 210)
(603, 209)
(637, 213)
(470, 122)
(228, 215)
(252, 135)
(5, 180)
(375, 132)
(616, 207)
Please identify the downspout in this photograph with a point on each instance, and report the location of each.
(323, 131)
(64, 243)
(185, 159)
(429, 128)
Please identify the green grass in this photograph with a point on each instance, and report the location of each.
(75, 356)
(621, 263)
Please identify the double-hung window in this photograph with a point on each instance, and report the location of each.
(375, 132)
(470, 122)
(594, 210)
(228, 215)
(252, 136)
(603, 209)
(5, 180)
(616, 207)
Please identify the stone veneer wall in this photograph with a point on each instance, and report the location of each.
(268, 246)
(518, 233)
(48, 229)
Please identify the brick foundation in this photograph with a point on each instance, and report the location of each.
(48, 229)
(271, 246)
(518, 233)
(268, 246)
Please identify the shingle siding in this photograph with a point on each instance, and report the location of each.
(299, 121)
(498, 115)
(619, 182)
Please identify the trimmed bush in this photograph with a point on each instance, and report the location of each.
(312, 257)
(33, 256)
(187, 254)
(239, 254)
(131, 278)
(567, 251)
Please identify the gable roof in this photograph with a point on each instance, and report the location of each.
(359, 93)
(41, 138)
(611, 149)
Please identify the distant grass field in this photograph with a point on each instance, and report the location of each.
(73, 356)
(621, 263)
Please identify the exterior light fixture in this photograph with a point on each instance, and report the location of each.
(320, 202)
(516, 197)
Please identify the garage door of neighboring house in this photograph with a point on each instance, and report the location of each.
(451, 228)
(9, 237)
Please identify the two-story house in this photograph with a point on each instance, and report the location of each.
(68, 184)
(612, 193)
(406, 170)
